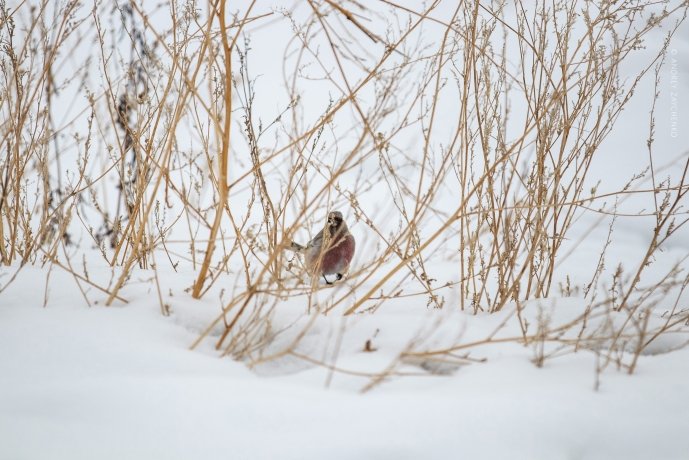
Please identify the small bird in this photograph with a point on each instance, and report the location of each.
(329, 252)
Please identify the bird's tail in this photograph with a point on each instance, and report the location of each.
(296, 247)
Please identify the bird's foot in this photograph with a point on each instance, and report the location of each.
(338, 277)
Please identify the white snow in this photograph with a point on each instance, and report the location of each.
(121, 382)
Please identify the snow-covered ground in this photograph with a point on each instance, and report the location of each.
(121, 382)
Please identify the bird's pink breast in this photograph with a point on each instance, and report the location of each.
(338, 257)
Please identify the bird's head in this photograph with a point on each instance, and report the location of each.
(335, 219)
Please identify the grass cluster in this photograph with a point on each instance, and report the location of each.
(460, 140)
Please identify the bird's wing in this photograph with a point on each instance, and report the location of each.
(316, 241)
